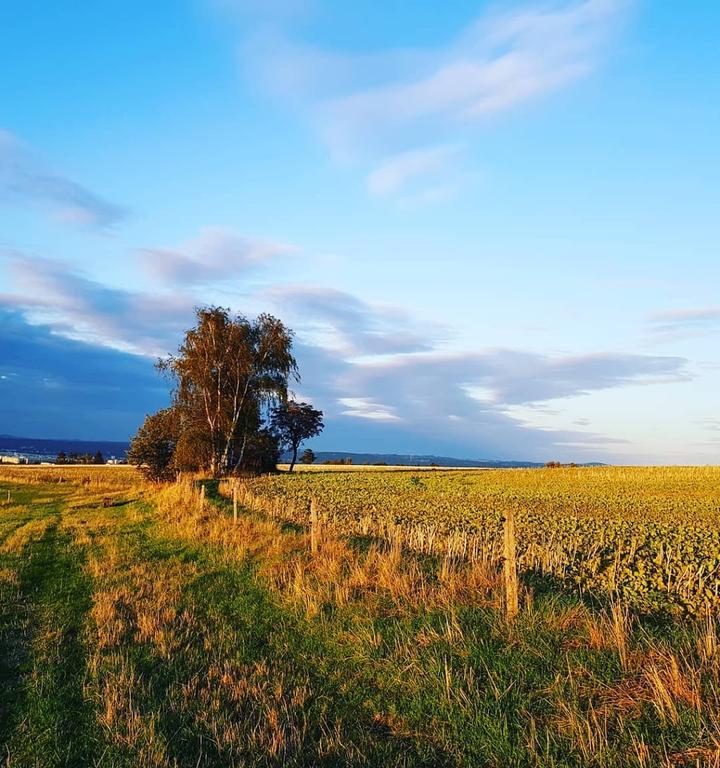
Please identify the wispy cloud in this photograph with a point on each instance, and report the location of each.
(499, 62)
(709, 424)
(400, 173)
(426, 401)
(395, 102)
(214, 255)
(365, 408)
(350, 325)
(24, 178)
(682, 323)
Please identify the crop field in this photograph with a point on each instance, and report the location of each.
(647, 536)
(147, 625)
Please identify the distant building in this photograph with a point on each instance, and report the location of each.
(13, 460)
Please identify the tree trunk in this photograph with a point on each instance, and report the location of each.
(294, 458)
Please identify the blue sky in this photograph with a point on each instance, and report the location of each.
(493, 226)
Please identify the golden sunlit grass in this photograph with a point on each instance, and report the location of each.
(88, 476)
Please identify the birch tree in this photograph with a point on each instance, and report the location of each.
(227, 372)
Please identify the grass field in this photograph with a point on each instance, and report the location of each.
(143, 627)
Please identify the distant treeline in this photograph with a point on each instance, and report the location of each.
(80, 458)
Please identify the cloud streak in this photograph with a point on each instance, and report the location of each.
(681, 323)
(426, 402)
(350, 325)
(396, 174)
(216, 254)
(498, 63)
(24, 178)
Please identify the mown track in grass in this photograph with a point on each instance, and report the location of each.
(46, 718)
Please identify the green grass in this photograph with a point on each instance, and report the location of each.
(136, 635)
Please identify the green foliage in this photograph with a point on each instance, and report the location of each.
(293, 423)
(80, 458)
(308, 456)
(153, 448)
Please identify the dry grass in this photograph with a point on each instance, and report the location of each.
(254, 707)
(21, 537)
(383, 577)
(87, 476)
(338, 573)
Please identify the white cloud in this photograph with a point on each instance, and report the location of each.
(682, 323)
(365, 408)
(72, 305)
(349, 325)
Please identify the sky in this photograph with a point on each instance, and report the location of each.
(493, 227)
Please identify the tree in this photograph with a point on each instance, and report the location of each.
(61, 458)
(98, 458)
(308, 457)
(262, 452)
(153, 447)
(227, 371)
(294, 423)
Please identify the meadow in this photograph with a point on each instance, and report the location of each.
(147, 625)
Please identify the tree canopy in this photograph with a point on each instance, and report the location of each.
(228, 374)
(308, 456)
(153, 447)
(294, 423)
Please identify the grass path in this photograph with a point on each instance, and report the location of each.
(54, 719)
(131, 638)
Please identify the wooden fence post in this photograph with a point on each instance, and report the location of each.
(510, 566)
(202, 496)
(314, 527)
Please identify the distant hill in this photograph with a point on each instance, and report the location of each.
(411, 460)
(46, 449)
